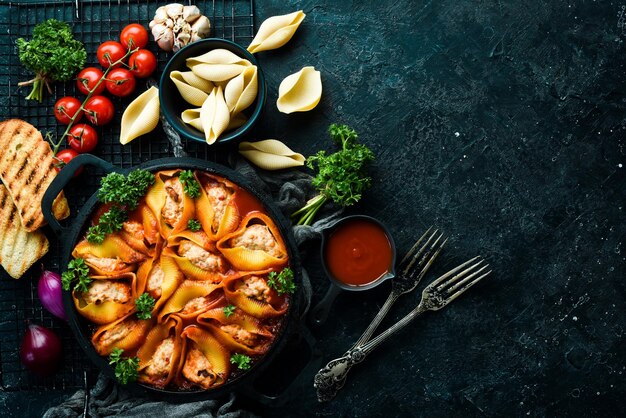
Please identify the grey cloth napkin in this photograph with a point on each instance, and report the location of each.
(290, 189)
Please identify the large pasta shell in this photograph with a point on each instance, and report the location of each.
(276, 31)
(129, 330)
(218, 56)
(187, 291)
(241, 91)
(214, 115)
(300, 92)
(160, 371)
(260, 338)
(141, 116)
(270, 154)
(156, 199)
(105, 312)
(219, 358)
(237, 121)
(216, 226)
(192, 271)
(192, 117)
(271, 307)
(192, 94)
(217, 72)
(243, 258)
(113, 246)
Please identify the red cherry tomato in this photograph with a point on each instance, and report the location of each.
(134, 34)
(142, 63)
(109, 52)
(87, 80)
(82, 138)
(65, 108)
(99, 110)
(120, 82)
(65, 156)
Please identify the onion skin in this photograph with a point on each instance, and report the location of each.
(49, 290)
(40, 351)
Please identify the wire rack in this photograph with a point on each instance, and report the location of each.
(93, 22)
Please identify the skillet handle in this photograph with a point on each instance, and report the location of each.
(62, 179)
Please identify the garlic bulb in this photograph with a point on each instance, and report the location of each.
(175, 26)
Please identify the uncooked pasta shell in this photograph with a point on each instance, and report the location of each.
(191, 94)
(270, 154)
(276, 31)
(214, 115)
(141, 116)
(241, 91)
(217, 56)
(192, 117)
(300, 92)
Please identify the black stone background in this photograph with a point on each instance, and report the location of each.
(500, 122)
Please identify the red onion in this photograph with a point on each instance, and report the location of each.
(40, 351)
(49, 291)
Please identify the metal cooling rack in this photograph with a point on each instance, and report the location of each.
(93, 22)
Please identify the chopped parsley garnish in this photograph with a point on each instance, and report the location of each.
(126, 369)
(110, 221)
(145, 305)
(241, 360)
(229, 310)
(282, 282)
(190, 184)
(194, 225)
(77, 271)
(125, 190)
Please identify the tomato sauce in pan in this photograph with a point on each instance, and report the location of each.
(358, 252)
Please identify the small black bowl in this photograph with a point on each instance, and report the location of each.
(172, 104)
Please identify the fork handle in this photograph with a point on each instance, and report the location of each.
(331, 378)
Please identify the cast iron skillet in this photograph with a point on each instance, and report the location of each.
(69, 236)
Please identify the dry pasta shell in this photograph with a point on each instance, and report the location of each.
(190, 93)
(214, 115)
(218, 56)
(276, 31)
(300, 92)
(141, 116)
(241, 91)
(270, 154)
(217, 72)
(192, 117)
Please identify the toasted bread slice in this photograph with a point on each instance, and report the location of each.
(27, 169)
(19, 249)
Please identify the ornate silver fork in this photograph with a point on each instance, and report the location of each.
(329, 380)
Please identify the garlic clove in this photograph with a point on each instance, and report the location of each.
(201, 27)
(163, 36)
(174, 10)
(160, 15)
(191, 13)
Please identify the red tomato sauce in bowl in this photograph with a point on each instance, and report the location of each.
(358, 252)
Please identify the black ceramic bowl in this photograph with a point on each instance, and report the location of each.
(172, 104)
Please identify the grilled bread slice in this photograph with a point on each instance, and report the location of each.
(19, 249)
(27, 169)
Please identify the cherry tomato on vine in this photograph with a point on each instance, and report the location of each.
(142, 63)
(65, 108)
(109, 52)
(82, 138)
(135, 34)
(99, 110)
(63, 157)
(87, 80)
(120, 82)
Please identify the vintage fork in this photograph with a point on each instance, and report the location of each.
(329, 380)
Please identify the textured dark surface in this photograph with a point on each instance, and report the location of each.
(502, 123)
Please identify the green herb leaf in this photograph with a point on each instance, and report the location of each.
(126, 369)
(145, 305)
(77, 271)
(190, 184)
(241, 360)
(194, 225)
(123, 190)
(52, 54)
(110, 221)
(282, 282)
(229, 310)
(341, 176)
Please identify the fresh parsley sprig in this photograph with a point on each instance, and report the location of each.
(282, 282)
(229, 310)
(110, 221)
(190, 184)
(341, 176)
(241, 360)
(125, 191)
(194, 225)
(145, 305)
(126, 369)
(77, 271)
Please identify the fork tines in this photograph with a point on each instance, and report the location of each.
(422, 254)
(463, 277)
